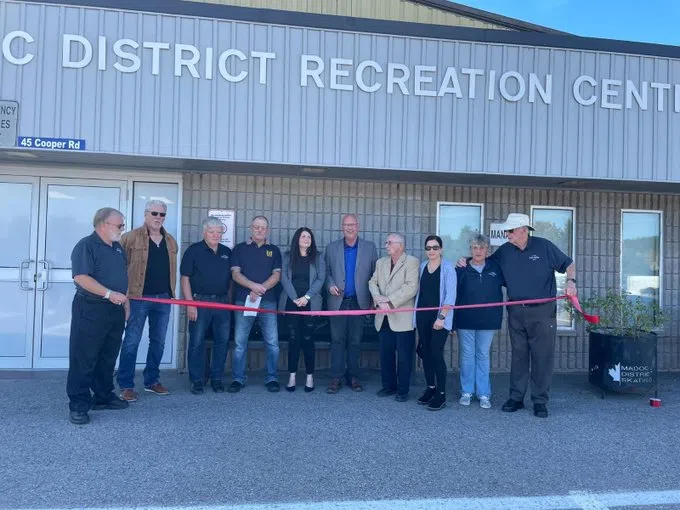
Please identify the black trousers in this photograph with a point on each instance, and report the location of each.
(532, 332)
(300, 338)
(396, 373)
(432, 342)
(346, 334)
(97, 329)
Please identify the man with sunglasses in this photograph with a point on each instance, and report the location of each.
(152, 256)
(98, 313)
(529, 264)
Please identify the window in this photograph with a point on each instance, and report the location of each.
(641, 254)
(456, 224)
(557, 225)
(166, 192)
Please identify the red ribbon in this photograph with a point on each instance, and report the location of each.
(326, 313)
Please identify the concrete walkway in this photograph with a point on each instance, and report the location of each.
(260, 448)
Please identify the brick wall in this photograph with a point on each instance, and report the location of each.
(410, 209)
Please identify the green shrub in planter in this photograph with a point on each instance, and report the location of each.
(622, 347)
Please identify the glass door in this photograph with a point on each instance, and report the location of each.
(67, 207)
(18, 238)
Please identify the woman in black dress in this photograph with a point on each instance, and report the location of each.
(302, 277)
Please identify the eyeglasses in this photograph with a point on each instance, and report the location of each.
(510, 231)
(388, 243)
(119, 226)
(156, 213)
(432, 248)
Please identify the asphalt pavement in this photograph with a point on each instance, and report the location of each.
(259, 448)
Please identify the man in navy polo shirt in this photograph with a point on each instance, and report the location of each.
(98, 314)
(256, 269)
(529, 265)
(206, 275)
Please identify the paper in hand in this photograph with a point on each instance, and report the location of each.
(251, 304)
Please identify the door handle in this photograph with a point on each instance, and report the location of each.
(24, 265)
(43, 277)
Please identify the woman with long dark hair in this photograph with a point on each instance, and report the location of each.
(302, 278)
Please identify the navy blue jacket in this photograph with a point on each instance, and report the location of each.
(475, 288)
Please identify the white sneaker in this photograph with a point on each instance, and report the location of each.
(465, 399)
(485, 402)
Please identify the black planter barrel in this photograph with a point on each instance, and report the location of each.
(622, 364)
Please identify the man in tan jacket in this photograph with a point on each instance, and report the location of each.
(394, 284)
(152, 267)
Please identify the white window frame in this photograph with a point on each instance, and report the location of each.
(465, 204)
(572, 255)
(661, 241)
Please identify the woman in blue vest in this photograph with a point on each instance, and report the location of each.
(480, 281)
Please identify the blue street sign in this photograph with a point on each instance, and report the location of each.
(64, 144)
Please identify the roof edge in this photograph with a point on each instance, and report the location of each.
(488, 17)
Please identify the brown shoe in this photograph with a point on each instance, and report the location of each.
(335, 385)
(129, 395)
(158, 389)
(356, 385)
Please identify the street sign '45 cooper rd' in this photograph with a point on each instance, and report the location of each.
(9, 119)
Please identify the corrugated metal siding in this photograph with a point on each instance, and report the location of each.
(394, 10)
(410, 209)
(285, 123)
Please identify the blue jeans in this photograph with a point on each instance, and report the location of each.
(270, 335)
(219, 324)
(475, 345)
(159, 316)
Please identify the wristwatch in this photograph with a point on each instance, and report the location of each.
(572, 280)
(441, 316)
(307, 297)
(107, 295)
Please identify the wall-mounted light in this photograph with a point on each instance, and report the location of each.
(20, 154)
(312, 170)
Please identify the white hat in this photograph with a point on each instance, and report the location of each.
(516, 220)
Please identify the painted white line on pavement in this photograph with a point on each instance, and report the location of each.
(587, 501)
(576, 500)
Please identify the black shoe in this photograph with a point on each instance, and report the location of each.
(426, 396)
(217, 386)
(235, 387)
(512, 405)
(401, 398)
(273, 387)
(437, 402)
(291, 389)
(309, 389)
(79, 418)
(385, 392)
(540, 410)
(114, 403)
(197, 388)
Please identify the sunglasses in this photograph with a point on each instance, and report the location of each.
(119, 226)
(510, 231)
(430, 248)
(156, 213)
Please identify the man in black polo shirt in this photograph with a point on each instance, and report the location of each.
(529, 265)
(206, 275)
(98, 315)
(256, 269)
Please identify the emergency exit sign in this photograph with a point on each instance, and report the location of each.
(9, 119)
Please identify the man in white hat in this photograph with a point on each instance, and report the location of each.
(529, 264)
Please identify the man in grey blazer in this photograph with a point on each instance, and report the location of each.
(350, 263)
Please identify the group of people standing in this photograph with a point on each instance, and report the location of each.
(109, 267)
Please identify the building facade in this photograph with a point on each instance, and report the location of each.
(303, 116)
